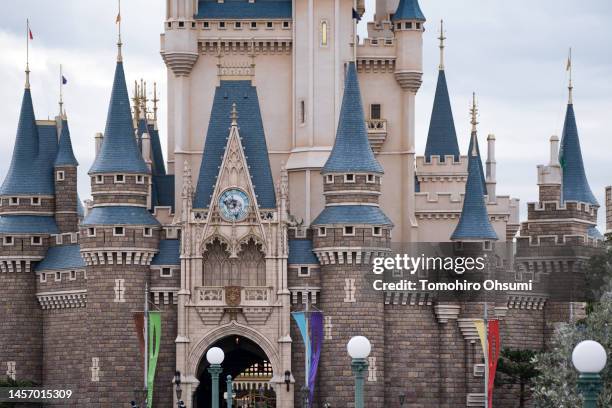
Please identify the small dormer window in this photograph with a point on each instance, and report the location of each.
(370, 178)
(304, 271)
(285, 24)
(205, 25)
(408, 26)
(73, 275)
(399, 26)
(165, 272)
(222, 24)
(238, 25)
(193, 24)
(119, 178)
(35, 200)
(14, 201)
(487, 245)
(269, 25)
(118, 231)
(139, 179)
(253, 24)
(8, 240)
(329, 179)
(349, 230)
(418, 26)
(99, 179)
(322, 231)
(60, 175)
(349, 178)
(58, 276)
(181, 24)
(377, 231)
(91, 232)
(36, 241)
(148, 232)
(43, 277)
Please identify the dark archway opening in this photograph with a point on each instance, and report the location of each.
(250, 369)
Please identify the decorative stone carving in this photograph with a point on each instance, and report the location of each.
(445, 312)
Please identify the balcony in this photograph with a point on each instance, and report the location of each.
(377, 133)
(233, 296)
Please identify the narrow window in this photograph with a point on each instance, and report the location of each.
(304, 271)
(206, 25)
(221, 24)
(72, 275)
(329, 179)
(14, 201)
(99, 179)
(61, 175)
(193, 24)
(269, 24)
(418, 26)
(349, 230)
(253, 24)
(377, 231)
(409, 26)
(8, 240)
(91, 232)
(118, 231)
(43, 277)
(166, 273)
(148, 232)
(399, 26)
(324, 33)
(302, 112)
(322, 231)
(349, 178)
(285, 24)
(36, 241)
(140, 179)
(371, 178)
(58, 276)
(375, 111)
(238, 25)
(35, 200)
(119, 178)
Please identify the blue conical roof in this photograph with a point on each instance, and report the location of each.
(26, 147)
(478, 159)
(408, 10)
(575, 183)
(119, 151)
(65, 155)
(352, 151)
(442, 138)
(474, 224)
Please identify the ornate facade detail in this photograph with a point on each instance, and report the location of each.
(62, 299)
(409, 80)
(118, 256)
(181, 63)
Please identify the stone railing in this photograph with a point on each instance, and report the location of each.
(377, 133)
(233, 296)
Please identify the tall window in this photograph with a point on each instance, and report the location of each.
(249, 269)
(302, 112)
(375, 111)
(324, 33)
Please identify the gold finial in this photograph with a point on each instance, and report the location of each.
(441, 38)
(155, 100)
(234, 115)
(570, 87)
(144, 99)
(136, 101)
(474, 112)
(61, 96)
(119, 43)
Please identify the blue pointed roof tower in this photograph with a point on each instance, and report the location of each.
(119, 152)
(65, 154)
(442, 137)
(408, 10)
(575, 185)
(352, 152)
(474, 224)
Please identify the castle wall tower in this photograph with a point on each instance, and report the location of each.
(408, 22)
(119, 238)
(26, 223)
(66, 212)
(348, 234)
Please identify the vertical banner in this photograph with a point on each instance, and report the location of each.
(139, 325)
(494, 349)
(154, 345)
(316, 343)
(302, 324)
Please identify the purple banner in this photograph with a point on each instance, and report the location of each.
(316, 342)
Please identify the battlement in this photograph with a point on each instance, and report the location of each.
(427, 202)
(436, 165)
(562, 240)
(554, 210)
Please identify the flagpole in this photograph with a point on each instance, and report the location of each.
(355, 21)
(486, 354)
(27, 54)
(146, 340)
(571, 86)
(61, 99)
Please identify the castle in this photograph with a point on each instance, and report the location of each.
(291, 165)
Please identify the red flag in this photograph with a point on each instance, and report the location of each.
(494, 349)
(30, 32)
(118, 19)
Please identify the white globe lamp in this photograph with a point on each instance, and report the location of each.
(589, 357)
(215, 356)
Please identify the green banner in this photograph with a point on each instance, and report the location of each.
(154, 344)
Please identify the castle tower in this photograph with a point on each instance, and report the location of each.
(66, 210)
(27, 198)
(408, 22)
(119, 238)
(347, 235)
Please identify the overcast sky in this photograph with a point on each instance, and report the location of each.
(512, 54)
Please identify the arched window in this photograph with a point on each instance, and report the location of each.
(324, 33)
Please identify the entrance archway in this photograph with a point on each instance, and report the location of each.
(250, 369)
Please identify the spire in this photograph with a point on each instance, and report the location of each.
(408, 10)
(474, 224)
(442, 137)
(575, 185)
(119, 151)
(62, 113)
(474, 146)
(25, 151)
(570, 87)
(65, 154)
(352, 151)
(28, 38)
(441, 38)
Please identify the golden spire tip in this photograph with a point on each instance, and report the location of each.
(441, 38)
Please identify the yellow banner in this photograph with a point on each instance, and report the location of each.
(480, 328)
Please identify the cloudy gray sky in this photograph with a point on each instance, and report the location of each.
(512, 54)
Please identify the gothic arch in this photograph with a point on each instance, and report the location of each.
(233, 328)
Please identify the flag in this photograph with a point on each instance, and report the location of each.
(356, 15)
(64, 80)
(30, 34)
(569, 62)
(154, 327)
(491, 349)
(118, 19)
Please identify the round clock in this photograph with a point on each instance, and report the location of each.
(234, 204)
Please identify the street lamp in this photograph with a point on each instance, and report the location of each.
(287, 379)
(215, 357)
(179, 391)
(402, 399)
(589, 358)
(359, 348)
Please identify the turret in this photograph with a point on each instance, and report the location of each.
(491, 177)
(65, 165)
(347, 235)
(549, 176)
(408, 22)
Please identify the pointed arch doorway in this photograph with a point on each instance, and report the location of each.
(251, 372)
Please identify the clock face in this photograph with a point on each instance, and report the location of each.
(234, 204)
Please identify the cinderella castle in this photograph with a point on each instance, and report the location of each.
(290, 166)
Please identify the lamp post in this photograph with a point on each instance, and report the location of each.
(178, 390)
(402, 399)
(215, 357)
(230, 390)
(359, 348)
(589, 358)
